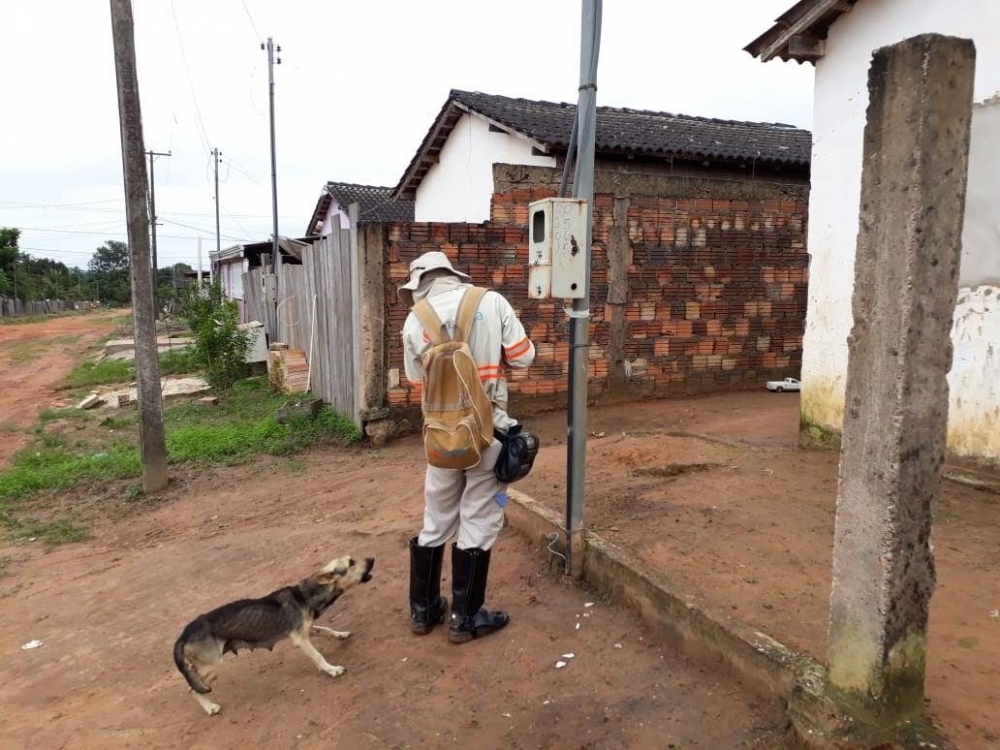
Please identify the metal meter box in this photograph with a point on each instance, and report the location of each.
(557, 252)
(270, 283)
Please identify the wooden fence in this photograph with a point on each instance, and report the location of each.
(11, 308)
(317, 309)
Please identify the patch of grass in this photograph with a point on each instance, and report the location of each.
(17, 321)
(61, 531)
(671, 470)
(23, 351)
(241, 426)
(111, 371)
(9, 427)
(104, 372)
(120, 423)
(47, 465)
(54, 414)
(244, 425)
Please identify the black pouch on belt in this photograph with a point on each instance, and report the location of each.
(517, 454)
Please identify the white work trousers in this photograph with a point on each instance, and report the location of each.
(463, 502)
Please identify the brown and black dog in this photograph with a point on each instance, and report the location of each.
(288, 612)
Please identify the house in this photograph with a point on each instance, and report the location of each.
(376, 204)
(451, 177)
(231, 263)
(699, 265)
(839, 38)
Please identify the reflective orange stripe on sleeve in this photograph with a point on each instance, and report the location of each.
(516, 350)
(490, 372)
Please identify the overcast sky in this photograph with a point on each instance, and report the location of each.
(360, 85)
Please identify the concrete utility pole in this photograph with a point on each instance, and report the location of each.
(916, 153)
(216, 158)
(153, 225)
(147, 365)
(583, 187)
(271, 62)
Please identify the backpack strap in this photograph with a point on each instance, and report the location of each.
(431, 322)
(467, 312)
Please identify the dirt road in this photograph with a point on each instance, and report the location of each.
(34, 359)
(108, 610)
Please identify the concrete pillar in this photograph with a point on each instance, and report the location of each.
(372, 249)
(916, 150)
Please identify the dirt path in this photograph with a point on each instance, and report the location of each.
(751, 530)
(34, 359)
(109, 610)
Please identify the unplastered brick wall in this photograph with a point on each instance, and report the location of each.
(689, 294)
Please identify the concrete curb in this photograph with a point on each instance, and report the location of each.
(768, 668)
(765, 665)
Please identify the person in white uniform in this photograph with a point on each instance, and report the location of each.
(467, 504)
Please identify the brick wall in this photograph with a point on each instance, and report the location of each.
(689, 294)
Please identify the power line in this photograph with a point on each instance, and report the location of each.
(121, 212)
(125, 234)
(168, 256)
(21, 204)
(242, 228)
(187, 70)
(250, 17)
(197, 228)
(242, 171)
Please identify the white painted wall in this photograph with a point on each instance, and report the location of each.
(231, 277)
(335, 210)
(841, 99)
(460, 185)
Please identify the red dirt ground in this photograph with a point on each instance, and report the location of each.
(109, 609)
(34, 358)
(753, 533)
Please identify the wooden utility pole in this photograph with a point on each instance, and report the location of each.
(147, 364)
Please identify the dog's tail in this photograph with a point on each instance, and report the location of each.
(192, 678)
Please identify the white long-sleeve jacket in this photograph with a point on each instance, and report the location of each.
(497, 338)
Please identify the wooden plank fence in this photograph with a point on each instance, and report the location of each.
(328, 271)
(318, 310)
(11, 308)
(253, 297)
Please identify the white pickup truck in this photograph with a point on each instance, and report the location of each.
(788, 384)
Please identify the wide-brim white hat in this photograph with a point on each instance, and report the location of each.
(432, 261)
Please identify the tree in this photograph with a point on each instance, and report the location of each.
(9, 252)
(221, 346)
(109, 267)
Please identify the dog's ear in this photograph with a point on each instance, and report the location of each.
(335, 569)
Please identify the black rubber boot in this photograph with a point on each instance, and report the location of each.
(470, 569)
(427, 606)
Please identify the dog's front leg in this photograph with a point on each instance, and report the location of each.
(340, 635)
(209, 706)
(302, 641)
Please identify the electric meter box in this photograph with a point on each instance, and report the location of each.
(557, 252)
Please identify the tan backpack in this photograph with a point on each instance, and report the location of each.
(458, 415)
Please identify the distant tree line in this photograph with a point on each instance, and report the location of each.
(106, 277)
